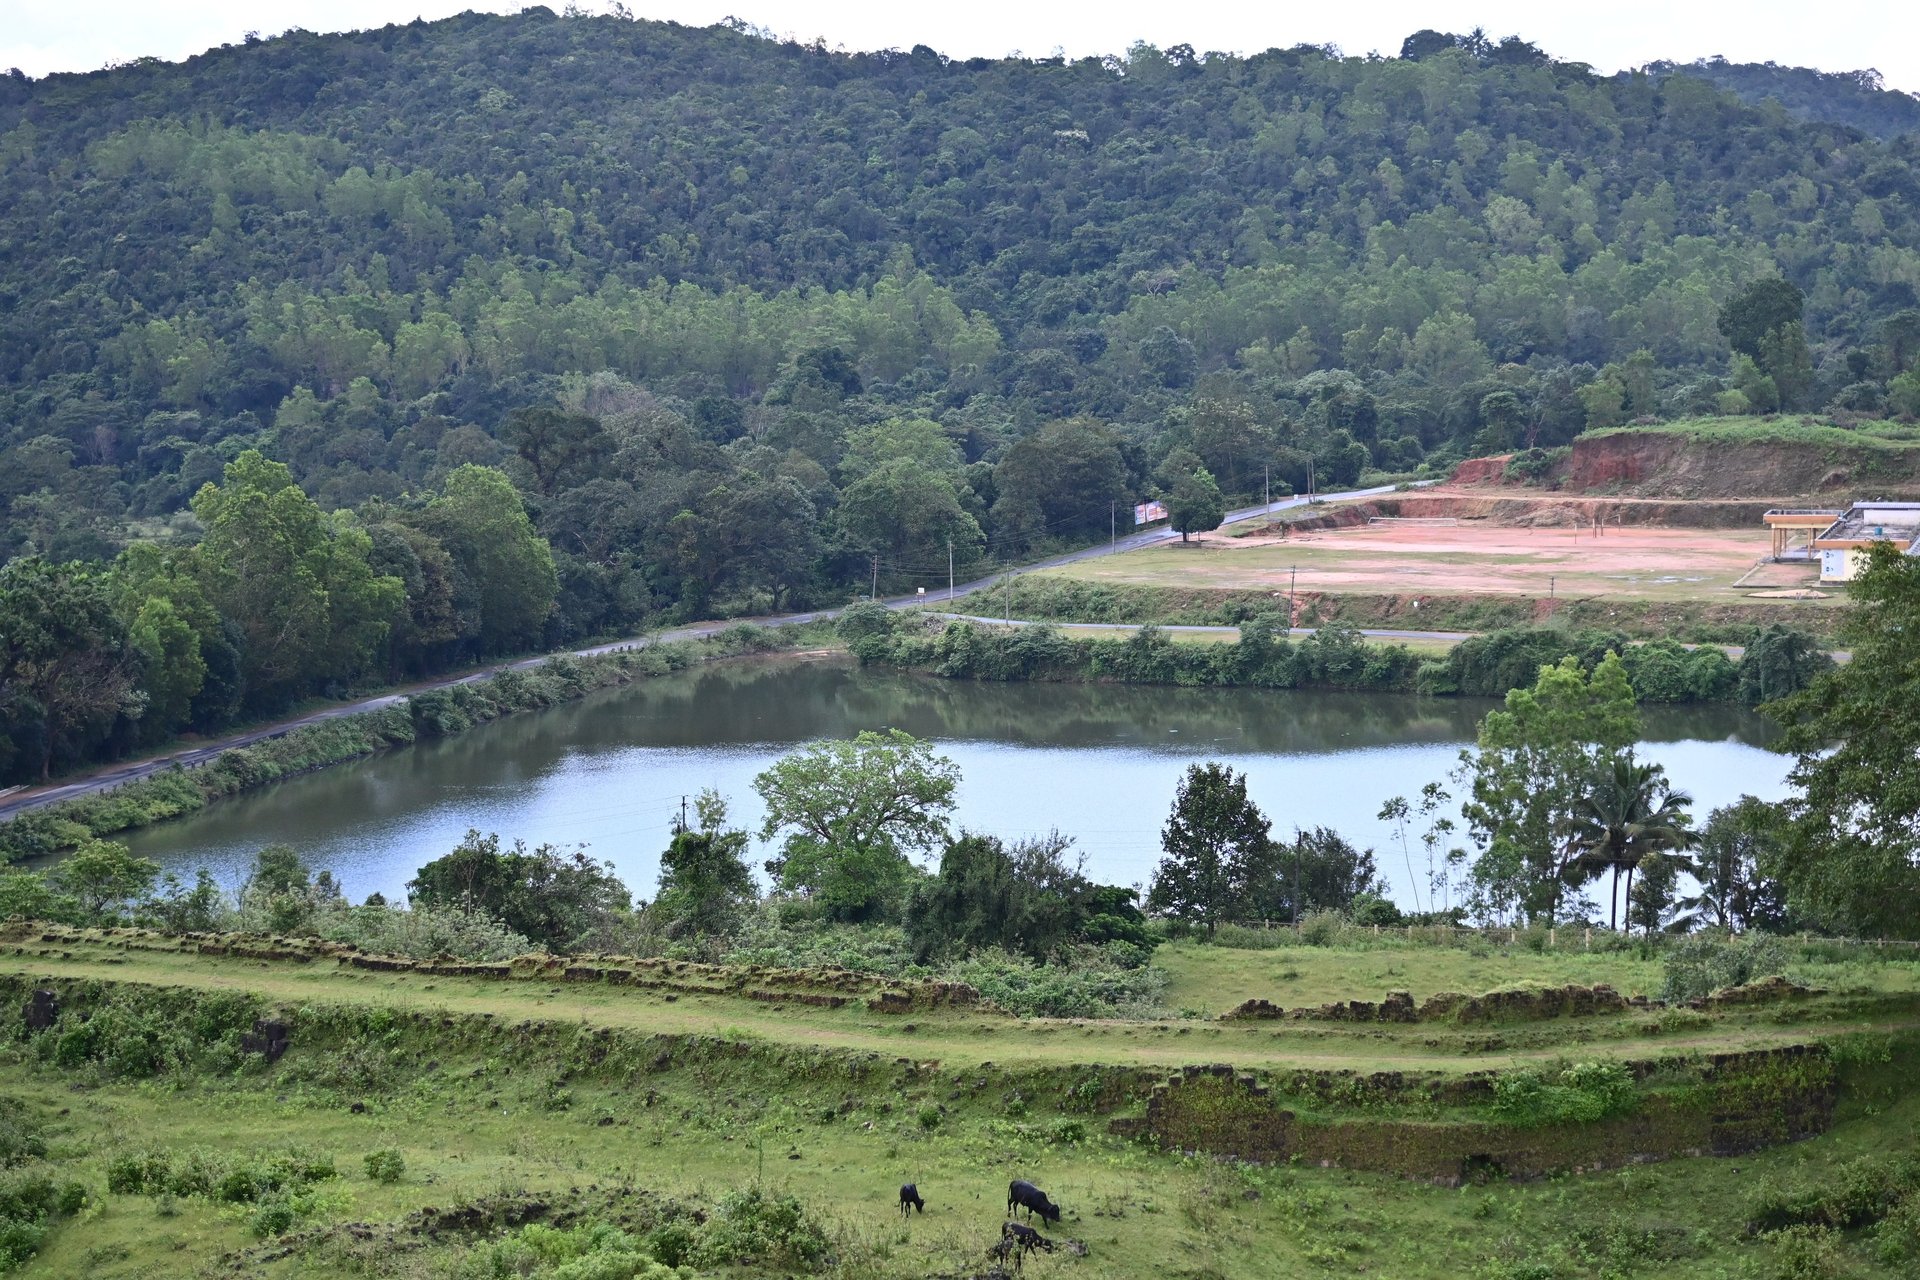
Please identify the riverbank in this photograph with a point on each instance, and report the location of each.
(130, 798)
(1335, 656)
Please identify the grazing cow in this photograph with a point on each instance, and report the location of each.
(910, 1200)
(1026, 1196)
(1025, 1238)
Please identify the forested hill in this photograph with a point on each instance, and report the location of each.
(742, 323)
(1857, 98)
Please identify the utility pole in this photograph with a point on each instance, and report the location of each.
(1552, 585)
(1296, 885)
(1266, 485)
(683, 813)
(1293, 573)
(1006, 615)
(949, 570)
(1309, 481)
(873, 592)
(1113, 522)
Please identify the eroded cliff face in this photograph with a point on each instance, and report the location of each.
(1664, 465)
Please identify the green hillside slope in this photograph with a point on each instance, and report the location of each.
(748, 322)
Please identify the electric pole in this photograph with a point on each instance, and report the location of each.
(1266, 485)
(949, 570)
(1296, 884)
(873, 592)
(1293, 573)
(1006, 605)
(1113, 522)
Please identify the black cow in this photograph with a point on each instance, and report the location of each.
(1025, 1238)
(910, 1200)
(1031, 1198)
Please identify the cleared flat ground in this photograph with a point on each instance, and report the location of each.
(1468, 558)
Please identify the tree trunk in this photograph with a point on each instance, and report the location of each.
(1629, 897)
(1613, 904)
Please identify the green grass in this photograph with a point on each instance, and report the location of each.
(839, 1107)
(1139, 1212)
(1784, 429)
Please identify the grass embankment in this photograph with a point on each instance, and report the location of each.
(586, 1099)
(1261, 657)
(1776, 429)
(435, 713)
(1053, 596)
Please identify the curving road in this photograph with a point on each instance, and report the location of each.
(21, 799)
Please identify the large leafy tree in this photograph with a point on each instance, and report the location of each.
(1195, 504)
(104, 877)
(507, 566)
(1852, 853)
(298, 583)
(1216, 843)
(67, 669)
(1533, 764)
(556, 445)
(906, 517)
(853, 813)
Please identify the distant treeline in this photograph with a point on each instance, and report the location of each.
(1778, 661)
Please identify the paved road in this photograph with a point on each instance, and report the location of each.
(22, 799)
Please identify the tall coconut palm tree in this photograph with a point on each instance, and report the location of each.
(1628, 812)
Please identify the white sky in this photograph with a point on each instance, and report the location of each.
(40, 36)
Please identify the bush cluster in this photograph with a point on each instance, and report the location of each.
(1334, 657)
(29, 1205)
(747, 1228)
(1581, 1093)
(160, 1034)
(1698, 966)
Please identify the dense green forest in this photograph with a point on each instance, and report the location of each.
(327, 358)
(1857, 98)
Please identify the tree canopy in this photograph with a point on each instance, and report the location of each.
(854, 813)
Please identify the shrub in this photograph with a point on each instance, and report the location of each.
(1699, 966)
(385, 1166)
(20, 1139)
(423, 932)
(28, 1205)
(1582, 1093)
(753, 1227)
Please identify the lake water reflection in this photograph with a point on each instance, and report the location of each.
(1099, 763)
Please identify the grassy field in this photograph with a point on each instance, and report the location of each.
(1635, 563)
(584, 1098)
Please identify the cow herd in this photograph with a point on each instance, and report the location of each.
(1017, 1239)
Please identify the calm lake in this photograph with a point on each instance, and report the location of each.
(1099, 763)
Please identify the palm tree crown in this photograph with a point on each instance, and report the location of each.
(1628, 812)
